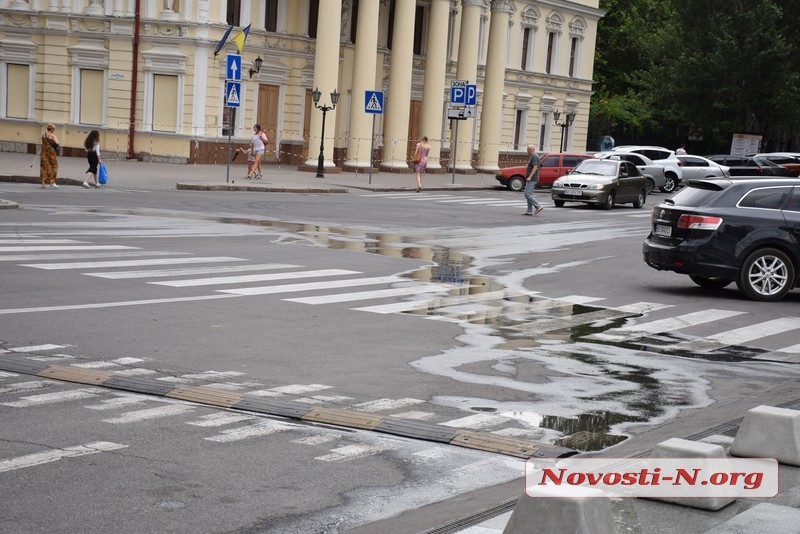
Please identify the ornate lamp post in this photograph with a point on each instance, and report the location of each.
(315, 94)
(568, 119)
(258, 62)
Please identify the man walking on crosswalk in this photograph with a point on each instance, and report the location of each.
(531, 179)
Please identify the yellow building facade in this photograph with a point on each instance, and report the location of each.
(145, 74)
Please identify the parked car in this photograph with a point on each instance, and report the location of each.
(749, 165)
(698, 167)
(552, 166)
(603, 182)
(654, 172)
(788, 160)
(663, 156)
(724, 230)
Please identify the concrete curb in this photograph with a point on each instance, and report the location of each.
(262, 188)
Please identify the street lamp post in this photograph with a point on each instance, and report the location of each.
(568, 119)
(315, 95)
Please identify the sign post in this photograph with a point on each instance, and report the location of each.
(233, 90)
(373, 104)
(463, 99)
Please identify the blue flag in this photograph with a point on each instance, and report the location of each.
(222, 41)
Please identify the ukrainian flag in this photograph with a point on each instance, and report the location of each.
(241, 37)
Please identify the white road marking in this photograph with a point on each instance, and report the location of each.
(792, 349)
(756, 331)
(311, 286)
(212, 375)
(150, 413)
(127, 361)
(415, 415)
(479, 420)
(119, 275)
(253, 431)
(26, 386)
(86, 256)
(13, 311)
(350, 452)
(40, 458)
(643, 307)
(380, 405)
(291, 389)
(129, 263)
(366, 295)
(317, 440)
(38, 241)
(254, 278)
(46, 248)
(220, 419)
(579, 299)
(134, 372)
(664, 325)
(118, 402)
(53, 398)
(400, 307)
(37, 348)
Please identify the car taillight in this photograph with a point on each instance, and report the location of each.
(680, 163)
(699, 222)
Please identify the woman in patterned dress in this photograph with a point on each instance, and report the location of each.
(48, 161)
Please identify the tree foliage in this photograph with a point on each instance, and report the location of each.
(697, 71)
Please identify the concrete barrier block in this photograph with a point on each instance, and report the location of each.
(572, 509)
(684, 448)
(769, 432)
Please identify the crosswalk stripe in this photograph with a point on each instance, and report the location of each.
(129, 263)
(39, 241)
(221, 280)
(117, 402)
(253, 431)
(25, 386)
(310, 286)
(366, 295)
(40, 458)
(350, 452)
(434, 303)
(150, 413)
(87, 256)
(46, 248)
(381, 405)
(479, 420)
(37, 348)
(69, 307)
(52, 398)
(290, 389)
(740, 336)
(220, 419)
(158, 273)
(664, 325)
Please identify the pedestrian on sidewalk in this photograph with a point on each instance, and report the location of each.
(48, 161)
(92, 146)
(420, 160)
(258, 143)
(531, 179)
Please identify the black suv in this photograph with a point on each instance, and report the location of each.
(718, 231)
(750, 166)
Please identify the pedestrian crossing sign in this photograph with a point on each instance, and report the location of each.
(373, 102)
(232, 94)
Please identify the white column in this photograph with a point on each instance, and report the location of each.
(492, 105)
(118, 8)
(434, 83)
(467, 69)
(364, 69)
(395, 129)
(326, 78)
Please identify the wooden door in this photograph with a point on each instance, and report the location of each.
(268, 105)
(414, 135)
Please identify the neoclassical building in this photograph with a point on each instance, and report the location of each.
(145, 73)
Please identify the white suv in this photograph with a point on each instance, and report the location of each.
(663, 156)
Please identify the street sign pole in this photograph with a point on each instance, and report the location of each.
(373, 104)
(230, 129)
(455, 145)
(371, 149)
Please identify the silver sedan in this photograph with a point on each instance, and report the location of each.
(698, 167)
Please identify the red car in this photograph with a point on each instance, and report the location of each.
(553, 166)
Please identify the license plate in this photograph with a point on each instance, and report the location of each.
(663, 230)
(573, 192)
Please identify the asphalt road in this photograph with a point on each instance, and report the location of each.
(447, 309)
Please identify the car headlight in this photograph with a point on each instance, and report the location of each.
(596, 186)
(557, 183)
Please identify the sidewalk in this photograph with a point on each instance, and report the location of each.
(132, 174)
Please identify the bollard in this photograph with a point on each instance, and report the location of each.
(769, 432)
(573, 509)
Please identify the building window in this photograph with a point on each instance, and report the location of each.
(573, 57)
(551, 52)
(519, 129)
(165, 106)
(18, 91)
(527, 48)
(354, 22)
(543, 131)
(313, 18)
(390, 27)
(233, 14)
(271, 16)
(91, 92)
(419, 27)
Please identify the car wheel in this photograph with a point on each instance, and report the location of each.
(640, 200)
(710, 282)
(669, 184)
(649, 186)
(516, 183)
(609, 203)
(559, 203)
(766, 275)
